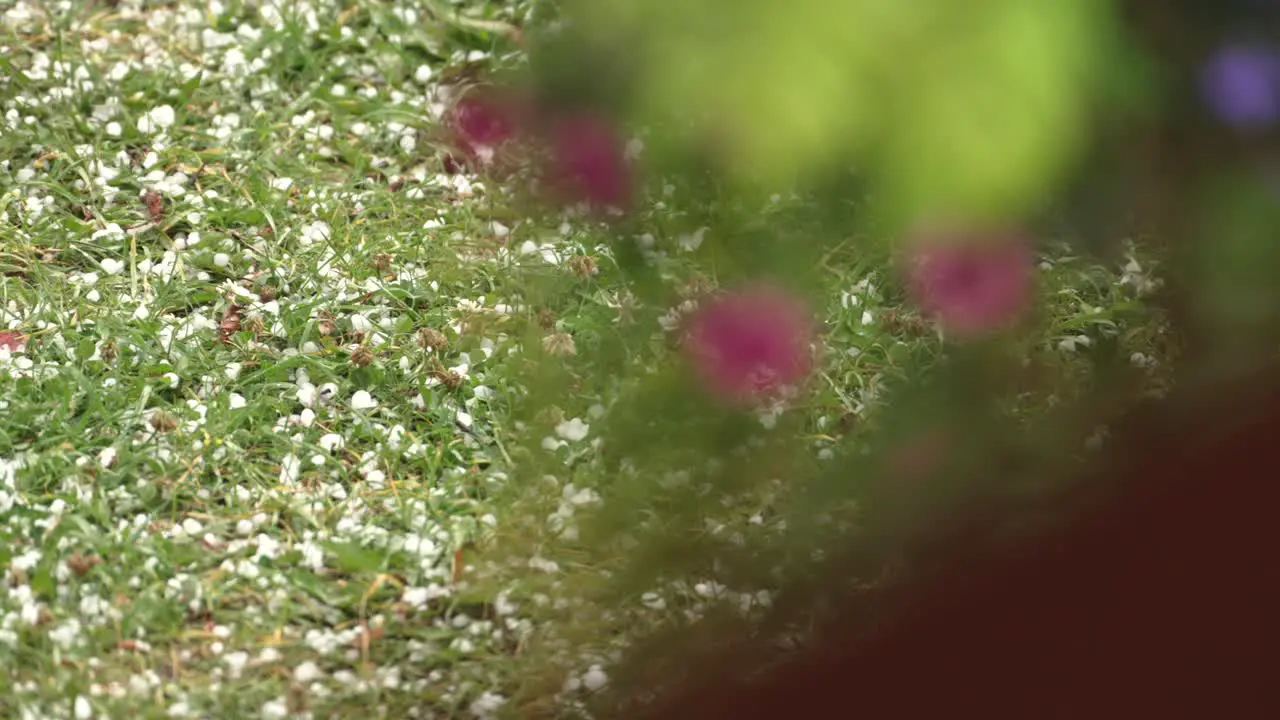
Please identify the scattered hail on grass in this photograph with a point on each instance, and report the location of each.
(257, 350)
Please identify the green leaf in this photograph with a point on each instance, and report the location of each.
(188, 89)
(973, 108)
(991, 116)
(43, 583)
(84, 349)
(353, 558)
(317, 587)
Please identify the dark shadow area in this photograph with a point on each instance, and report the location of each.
(1158, 598)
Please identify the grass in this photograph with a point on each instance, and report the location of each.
(236, 477)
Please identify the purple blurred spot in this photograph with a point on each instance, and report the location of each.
(750, 344)
(588, 162)
(972, 287)
(1242, 86)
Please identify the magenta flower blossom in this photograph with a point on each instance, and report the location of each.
(972, 287)
(588, 162)
(482, 124)
(12, 340)
(751, 344)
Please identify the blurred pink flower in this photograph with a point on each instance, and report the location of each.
(972, 286)
(12, 340)
(751, 344)
(482, 124)
(589, 163)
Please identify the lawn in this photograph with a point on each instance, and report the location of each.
(265, 371)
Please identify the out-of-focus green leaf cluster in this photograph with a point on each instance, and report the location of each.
(959, 109)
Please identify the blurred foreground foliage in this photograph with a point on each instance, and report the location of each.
(814, 139)
(974, 110)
